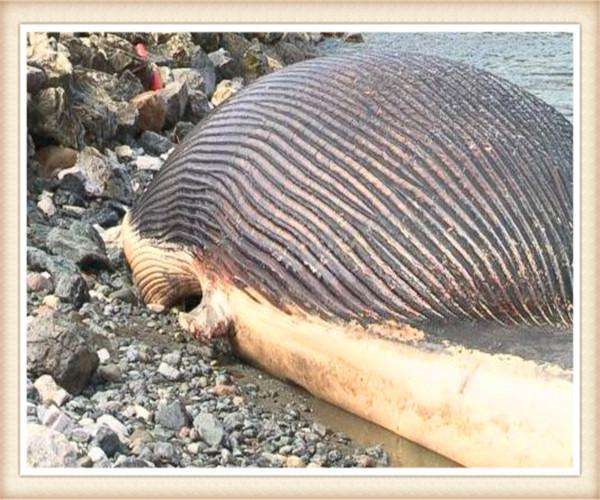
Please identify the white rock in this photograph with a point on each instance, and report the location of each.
(46, 205)
(168, 371)
(146, 162)
(97, 454)
(124, 153)
(49, 448)
(57, 420)
(103, 355)
(51, 301)
(50, 392)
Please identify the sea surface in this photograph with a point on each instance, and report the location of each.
(542, 63)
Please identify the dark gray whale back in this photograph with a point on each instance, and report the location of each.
(376, 187)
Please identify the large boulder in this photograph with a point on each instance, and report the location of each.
(59, 346)
(49, 448)
(81, 244)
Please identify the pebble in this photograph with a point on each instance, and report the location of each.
(169, 372)
(50, 392)
(103, 355)
(172, 415)
(39, 282)
(209, 429)
(124, 152)
(145, 162)
(108, 440)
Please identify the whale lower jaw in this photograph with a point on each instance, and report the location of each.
(478, 409)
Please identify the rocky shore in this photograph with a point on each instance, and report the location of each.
(110, 382)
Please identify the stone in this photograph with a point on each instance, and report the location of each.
(56, 66)
(175, 98)
(50, 392)
(172, 358)
(124, 152)
(225, 90)
(51, 301)
(39, 282)
(151, 109)
(365, 461)
(36, 79)
(183, 128)
(209, 429)
(107, 440)
(164, 452)
(115, 425)
(102, 175)
(48, 448)
(58, 421)
(103, 355)
(69, 285)
(55, 158)
(172, 415)
(145, 162)
(224, 64)
(294, 461)
(81, 244)
(352, 38)
(198, 106)
(97, 454)
(46, 205)
(254, 62)
(109, 372)
(208, 41)
(51, 115)
(60, 348)
(156, 308)
(169, 372)
(154, 143)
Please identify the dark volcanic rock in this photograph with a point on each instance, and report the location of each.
(81, 244)
(59, 347)
(154, 143)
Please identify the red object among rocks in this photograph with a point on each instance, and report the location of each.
(155, 79)
(140, 50)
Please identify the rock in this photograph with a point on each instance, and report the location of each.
(148, 163)
(151, 109)
(51, 301)
(291, 53)
(107, 440)
(51, 115)
(182, 129)
(58, 421)
(39, 282)
(124, 153)
(126, 88)
(175, 97)
(172, 358)
(154, 143)
(69, 285)
(56, 66)
(97, 454)
(353, 38)
(254, 62)
(105, 217)
(209, 429)
(49, 392)
(36, 79)
(60, 348)
(48, 448)
(102, 175)
(172, 415)
(81, 244)
(198, 106)
(208, 41)
(320, 429)
(365, 461)
(46, 204)
(294, 461)
(169, 372)
(115, 425)
(223, 63)
(236, 45)
(109, 372)
(103, 355)
(225, 90)
(223, 390)
(164, 452)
